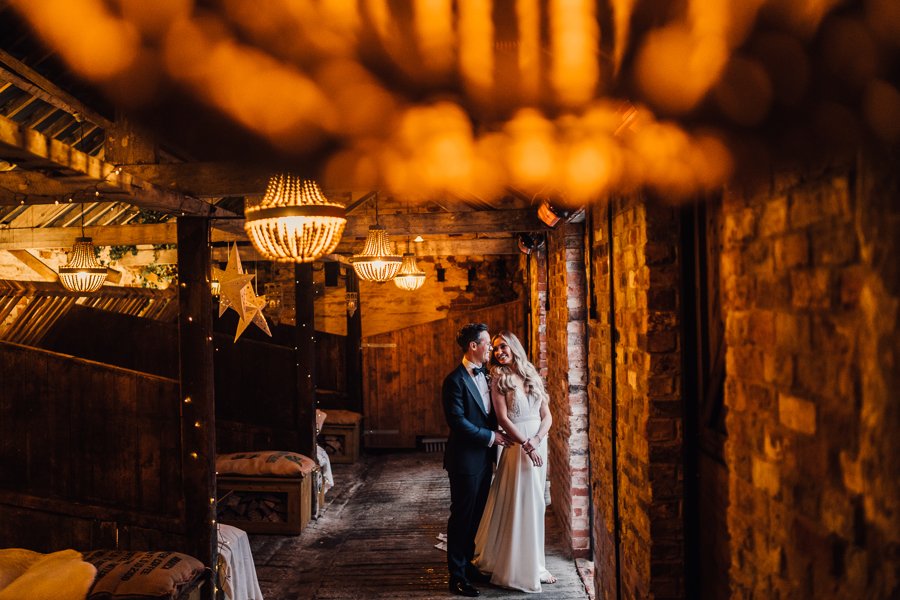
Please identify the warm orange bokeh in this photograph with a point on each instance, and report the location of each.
(478, 96)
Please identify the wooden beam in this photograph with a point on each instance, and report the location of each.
(413, 224)
(35, 264)
(205, 179)
(32, 150)
(111, 235)
(437, 247)
(446, 247)
(222, 179)
(165, 233)
(18, 185)
(36, 84)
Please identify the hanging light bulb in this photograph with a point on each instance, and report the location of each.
(410, 277)
(82, 273)
(377, 262)
(352, 299)
(294, 222)
(214, 285)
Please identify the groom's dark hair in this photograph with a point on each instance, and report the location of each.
(469, 333)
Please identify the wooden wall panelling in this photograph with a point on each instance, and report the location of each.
(404, 371)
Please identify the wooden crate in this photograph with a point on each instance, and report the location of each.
(341, 442)
(294, 492)
(340, 435)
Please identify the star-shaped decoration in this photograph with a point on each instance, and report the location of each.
(255, 308)
(232, 282)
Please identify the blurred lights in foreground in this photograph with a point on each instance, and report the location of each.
(537, 99)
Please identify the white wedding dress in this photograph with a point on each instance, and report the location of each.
(510, 540)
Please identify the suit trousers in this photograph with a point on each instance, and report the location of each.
(468, 495)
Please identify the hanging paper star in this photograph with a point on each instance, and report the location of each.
(232, 282)
(256, 317)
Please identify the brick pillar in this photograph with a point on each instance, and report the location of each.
(567, 384)
(649, 414)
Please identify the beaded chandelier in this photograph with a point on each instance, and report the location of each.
(294, 222)
(376, 262)
(410, 277)
(82, 273)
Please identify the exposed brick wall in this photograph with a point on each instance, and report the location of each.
(537, 298)
(600, 410)
(649, 428)
(811, 296)
(567, 384)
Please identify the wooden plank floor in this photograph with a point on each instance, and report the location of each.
(376, 540)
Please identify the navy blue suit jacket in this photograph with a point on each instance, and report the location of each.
(467, 451)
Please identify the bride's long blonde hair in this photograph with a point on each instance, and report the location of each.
(520, 367)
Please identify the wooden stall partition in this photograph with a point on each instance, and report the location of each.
(403, 371)
(100, 335)
(256, 405)
(90, 455)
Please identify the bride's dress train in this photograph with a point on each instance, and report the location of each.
(510, 540)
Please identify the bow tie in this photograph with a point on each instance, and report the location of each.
(476, 370)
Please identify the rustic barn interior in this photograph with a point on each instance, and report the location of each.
(688, 210)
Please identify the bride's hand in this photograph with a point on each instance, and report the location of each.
(528, 446)
(536, 459)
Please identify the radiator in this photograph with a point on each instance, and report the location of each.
(434, 444)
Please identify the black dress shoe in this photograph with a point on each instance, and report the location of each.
(477, 576)
(461, 587)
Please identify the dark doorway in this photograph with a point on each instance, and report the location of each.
(707, 553)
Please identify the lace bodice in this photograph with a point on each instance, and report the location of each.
(518, 407)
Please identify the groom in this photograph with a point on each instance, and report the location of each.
(470, 452)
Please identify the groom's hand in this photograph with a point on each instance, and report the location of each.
(501, 439)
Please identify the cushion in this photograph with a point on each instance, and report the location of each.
(275, 463)
(57, 576)
(123, 575)
(14, 562)
(343, 417)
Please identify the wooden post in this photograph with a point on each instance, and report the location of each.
(306, 359)
(353, 349)
(198, 415)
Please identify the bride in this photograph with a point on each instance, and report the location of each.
(510, 540)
